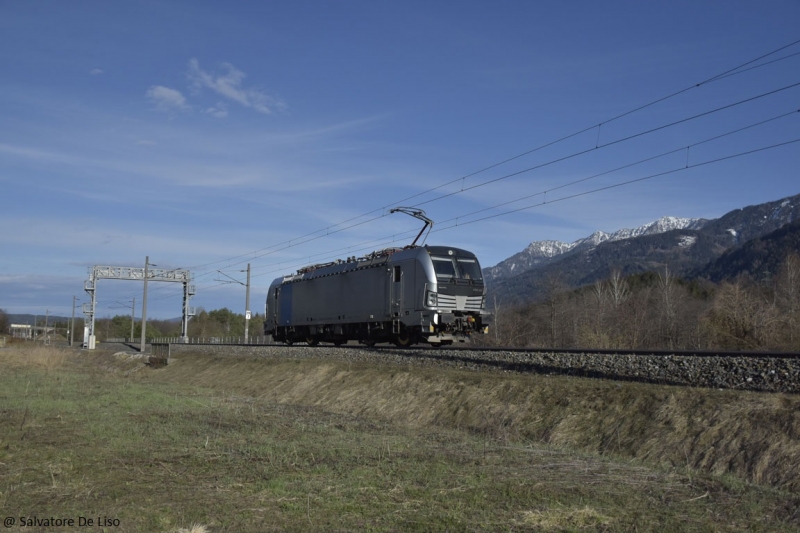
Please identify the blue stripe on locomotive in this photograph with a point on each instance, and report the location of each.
(285, 305)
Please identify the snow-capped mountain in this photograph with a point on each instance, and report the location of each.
(686, 245)
(539, 252)
(662, 225)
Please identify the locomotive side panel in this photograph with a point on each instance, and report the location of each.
(362, 295)
(356, 296)
(405, 297)
(284, 309)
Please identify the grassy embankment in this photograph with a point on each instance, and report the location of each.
(258, 445)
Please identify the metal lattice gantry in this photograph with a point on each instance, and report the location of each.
(99, 272)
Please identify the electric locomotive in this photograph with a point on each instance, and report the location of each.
(430, 294)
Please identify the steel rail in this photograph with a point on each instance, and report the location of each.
(474, 348)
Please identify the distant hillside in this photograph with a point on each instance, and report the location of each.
(683, 250)
(28, 319)
(741, 225)
(687, 248)
(760, 257)
(540, 253)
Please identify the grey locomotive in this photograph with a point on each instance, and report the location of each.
(431, 294)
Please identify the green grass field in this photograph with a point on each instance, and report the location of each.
(200, 443)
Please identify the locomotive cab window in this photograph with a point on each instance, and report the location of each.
(469, 269)
(396, 274)
(444, 267)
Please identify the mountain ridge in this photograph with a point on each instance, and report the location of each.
(687, 245)
(539, 252)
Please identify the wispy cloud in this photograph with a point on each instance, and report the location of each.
(219, 111)
(96, 71)
(118, 240)
(230, 86)
(166, 99)
(38, 154)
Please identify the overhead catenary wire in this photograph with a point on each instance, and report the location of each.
(457, 221)
(330, 230)
(612, 143)
(600, 189)
(628, 182)
(727, 73)
(794, 112)
(739, 69)
(629, 165)
(311, 237)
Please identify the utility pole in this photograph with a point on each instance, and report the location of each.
(72, 323)
(133, 310)
(142, 346)
(247, 307)
(247, 298)
(46, 334)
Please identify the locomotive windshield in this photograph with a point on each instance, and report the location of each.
(444, 267)
(469, 268)
(463, 268)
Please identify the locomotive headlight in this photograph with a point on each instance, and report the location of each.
(431, 299)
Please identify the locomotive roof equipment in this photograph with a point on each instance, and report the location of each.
(416, 213)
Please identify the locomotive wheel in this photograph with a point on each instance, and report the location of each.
(312, 341)
(338, 343)
(369, 343)
(289, 342)
(404, 340)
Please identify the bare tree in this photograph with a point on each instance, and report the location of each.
(787, 296)
(521, 327)
(669, 307)
(596, 321)
(496, 321)
(618, 289)
(512, 325)
(635, 316)
(554, 299)
(741, 319)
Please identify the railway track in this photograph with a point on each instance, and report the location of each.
(756, 371)
(472, 347)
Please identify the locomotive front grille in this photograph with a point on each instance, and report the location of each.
(473, 303)
(447, 301)
(460, 303)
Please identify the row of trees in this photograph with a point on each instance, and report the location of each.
(217, 323)
(57, 327)
(653, 310)
(657, 310)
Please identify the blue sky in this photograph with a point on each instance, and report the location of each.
(208, 135)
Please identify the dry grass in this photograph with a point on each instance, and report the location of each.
(194, 528)
(582, 519)
(753, 436)
(252, 445)
(30, 355)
